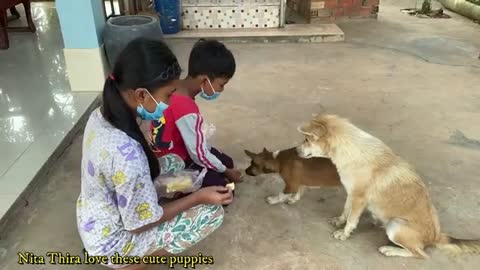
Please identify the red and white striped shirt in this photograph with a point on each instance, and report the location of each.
(180, 132)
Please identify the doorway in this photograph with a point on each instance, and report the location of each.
(298, 11)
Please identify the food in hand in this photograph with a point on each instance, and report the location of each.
(231, 186)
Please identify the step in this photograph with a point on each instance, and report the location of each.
(304, 33)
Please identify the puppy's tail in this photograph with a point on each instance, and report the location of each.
(456, 247)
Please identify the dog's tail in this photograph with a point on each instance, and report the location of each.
(455, 246)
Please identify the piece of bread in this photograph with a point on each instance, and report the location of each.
(180, 185)
(231, 186)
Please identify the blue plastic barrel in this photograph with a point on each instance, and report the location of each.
(169, 12)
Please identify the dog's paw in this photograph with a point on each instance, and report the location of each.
(389, 251)
(337, 221)
(292, 201)
(272, 200)
(340, 235)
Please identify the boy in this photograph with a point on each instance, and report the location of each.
(211, 65)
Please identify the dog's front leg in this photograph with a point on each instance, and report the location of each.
(295, 197)
(358, 204)
(291, 194)
(280, 198)
(342, 219)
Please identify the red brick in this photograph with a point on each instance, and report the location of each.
(350, 11)
(365, 12)
(357, 3)
(331, 3)
(345, 3)
(371, 3)
(338, 12)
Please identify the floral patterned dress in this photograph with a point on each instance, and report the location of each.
(118, 196)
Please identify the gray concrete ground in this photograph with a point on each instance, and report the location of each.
(412, 82)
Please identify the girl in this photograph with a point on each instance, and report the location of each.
(117, 211)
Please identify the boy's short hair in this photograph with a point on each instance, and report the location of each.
(211, 58)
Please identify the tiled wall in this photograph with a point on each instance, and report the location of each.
(217, 14)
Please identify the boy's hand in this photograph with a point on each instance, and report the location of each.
(233, 175)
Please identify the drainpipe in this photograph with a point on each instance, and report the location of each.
(283, 11)
(463, 7)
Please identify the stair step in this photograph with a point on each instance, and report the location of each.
(291, 33)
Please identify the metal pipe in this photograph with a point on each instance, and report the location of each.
(283, 11)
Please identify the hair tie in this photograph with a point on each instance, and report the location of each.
(111, 77)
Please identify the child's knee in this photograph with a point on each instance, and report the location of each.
(217, 216)
(218, 211)
(225, 159)
(213, 178)
(229, 162)
(171, 163)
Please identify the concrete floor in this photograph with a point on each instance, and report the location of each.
(412, 82)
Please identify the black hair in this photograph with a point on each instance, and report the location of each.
(211, 58)
(144, 63)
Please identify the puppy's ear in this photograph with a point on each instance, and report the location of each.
(250, 154)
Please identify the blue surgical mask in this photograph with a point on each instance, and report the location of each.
(204, 95)
(156, 115)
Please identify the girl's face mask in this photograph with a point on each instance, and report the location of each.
(204, 95)
(156, 115)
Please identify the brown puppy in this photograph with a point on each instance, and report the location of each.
(380, 181)
(296, 172)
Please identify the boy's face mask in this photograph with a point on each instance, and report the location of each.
(157, 114)
(205, 96)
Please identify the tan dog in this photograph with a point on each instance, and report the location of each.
(296, 172)
(378, 180)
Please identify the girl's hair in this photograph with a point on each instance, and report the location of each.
(144, 63)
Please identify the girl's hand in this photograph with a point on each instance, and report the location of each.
(217, 195)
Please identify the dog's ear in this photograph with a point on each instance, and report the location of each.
(250, 154)
(302, 129)
(319, 129)
(305, 130)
